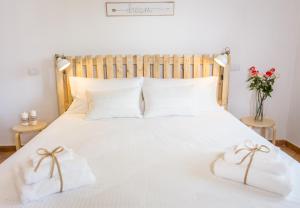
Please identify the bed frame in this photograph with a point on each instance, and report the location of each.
(108, 67)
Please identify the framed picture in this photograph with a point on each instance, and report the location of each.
(164, 8)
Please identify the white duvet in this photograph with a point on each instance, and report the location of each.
(157, 162)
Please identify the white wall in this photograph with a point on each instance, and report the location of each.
(293, 125)
(259, 33)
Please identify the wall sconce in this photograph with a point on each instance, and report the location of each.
(61, 62)
(223, 58)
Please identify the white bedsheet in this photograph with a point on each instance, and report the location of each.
(157, 162)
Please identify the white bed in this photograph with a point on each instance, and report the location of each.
(159, 162)
(147, 162)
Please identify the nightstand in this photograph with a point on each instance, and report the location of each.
(263, 125)
(19, 129)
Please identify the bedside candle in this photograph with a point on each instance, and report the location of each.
(33, 117)
(24, 115)
(24, 119)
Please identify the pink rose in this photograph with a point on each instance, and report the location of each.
(269, 73)
(253, 71)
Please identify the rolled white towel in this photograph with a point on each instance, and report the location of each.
(280, 184)
(66, 154)
(270, 162)
(71, 180)
(43, 172)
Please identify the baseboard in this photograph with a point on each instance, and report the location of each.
(7, 148)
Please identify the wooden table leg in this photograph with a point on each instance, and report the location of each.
(18, 141)
(274, 135)
(263, 132)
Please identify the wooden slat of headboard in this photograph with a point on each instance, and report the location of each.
(197, 62)
(139, 66)
(79, 68)
(186, 66)
(89, 67)
(225, 84)
(67, 90)
(119, 66)
(60, 90)
(206, 66)
(99, 67)
(146, 66)
(166, 67)
(156, 66)
(108, 67)
(129, 66)
(216, 68)
(176, 65)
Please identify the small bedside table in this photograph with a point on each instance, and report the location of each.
(263, 125)
(19, 129)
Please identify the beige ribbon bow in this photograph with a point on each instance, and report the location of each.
(251, 152)
(54, 161)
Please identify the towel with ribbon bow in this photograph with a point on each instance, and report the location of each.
(252, 150)
(44, 153)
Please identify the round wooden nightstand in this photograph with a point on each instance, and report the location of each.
(19, 129)
(263, 125)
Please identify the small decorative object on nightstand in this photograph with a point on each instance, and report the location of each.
(19, 129)
(24, 119)
(263, 125)
(33, 118)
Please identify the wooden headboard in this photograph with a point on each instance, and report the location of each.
(108, 67)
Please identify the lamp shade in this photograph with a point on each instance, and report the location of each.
(222, 59)
(62, 64)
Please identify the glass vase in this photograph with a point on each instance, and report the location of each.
(259, 113)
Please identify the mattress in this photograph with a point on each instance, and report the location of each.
(158, 162)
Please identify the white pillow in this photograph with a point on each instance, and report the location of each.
(170, 101)
(114, 103)
(78, 106)
(79, 86)
(205, 89)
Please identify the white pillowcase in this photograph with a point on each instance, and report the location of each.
(114, 103)
(202, 96)
(78, 106)
(79, 86)
(170, 101)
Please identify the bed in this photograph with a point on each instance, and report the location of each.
(153, 162)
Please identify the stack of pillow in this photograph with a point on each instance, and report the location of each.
(138, 97)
